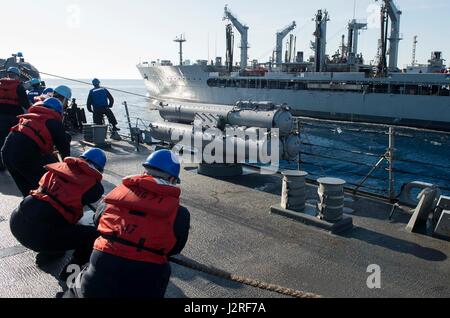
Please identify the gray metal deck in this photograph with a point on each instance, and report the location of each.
(233, 230)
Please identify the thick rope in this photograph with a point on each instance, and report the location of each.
(243, 280)
(90, 84)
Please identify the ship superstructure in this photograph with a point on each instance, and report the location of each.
(28, 71)
(340, 87)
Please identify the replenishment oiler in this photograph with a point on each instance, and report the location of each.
(338, 87)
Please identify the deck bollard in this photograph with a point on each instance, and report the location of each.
(99, 134)
(331, 204)
(88, 134)
(294, 191)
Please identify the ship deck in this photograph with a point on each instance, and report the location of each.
(233, 230)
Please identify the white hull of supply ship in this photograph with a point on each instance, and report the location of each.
(418, 100)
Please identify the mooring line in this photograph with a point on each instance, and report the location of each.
(90, 84)
(243, 280)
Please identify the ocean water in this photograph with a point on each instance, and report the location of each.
(343, 150)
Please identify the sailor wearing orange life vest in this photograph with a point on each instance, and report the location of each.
(13, 101)
(141, 224)
(47, 220)
(30, 145)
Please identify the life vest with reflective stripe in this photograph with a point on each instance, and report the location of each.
(8, 92)
(33, 125)
(138, 222)
(64, 185)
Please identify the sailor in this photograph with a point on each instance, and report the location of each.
(100, 101)
(141, 224)
(13, 102)
(47, 221)
(47, 93)
(73, 117)
(35, 91)
(64, 94)
(31, 144)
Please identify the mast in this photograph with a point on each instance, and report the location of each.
(414, 61)
(180, 40)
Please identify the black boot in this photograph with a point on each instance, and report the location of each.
(43, 259)
(115, 128)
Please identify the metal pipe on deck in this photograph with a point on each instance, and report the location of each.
(228, 141)
(244, 114)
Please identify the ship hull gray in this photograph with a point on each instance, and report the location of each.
(190, 84)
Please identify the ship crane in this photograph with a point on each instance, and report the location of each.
(394, 15)
(280, 37)
(353, 38)
(243, 30)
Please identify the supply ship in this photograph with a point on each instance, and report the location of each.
(337, 87)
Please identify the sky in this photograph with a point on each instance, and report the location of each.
(107, 38)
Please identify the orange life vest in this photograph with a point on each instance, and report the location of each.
(64, 185)
(138, 222)
(33, 125)
(8, 92)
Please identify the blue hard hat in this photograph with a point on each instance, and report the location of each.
(54, 103)
(164, 161)
(47, 91)
(35, 81)
(14, 70)
(95, 157)
(20, 54)
(64, 91)
(96, 82)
